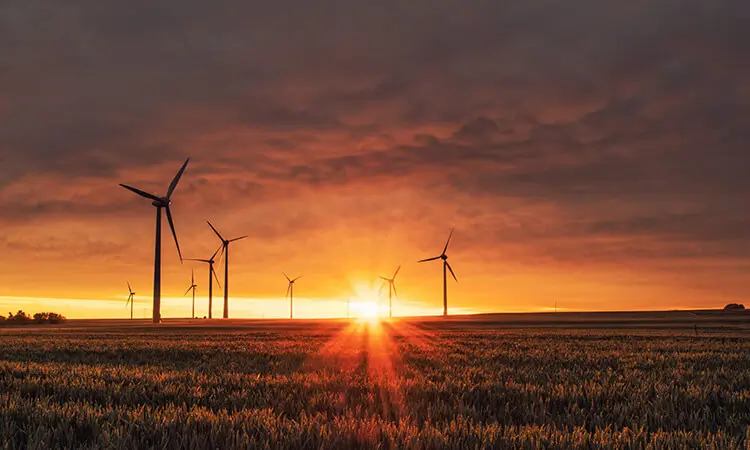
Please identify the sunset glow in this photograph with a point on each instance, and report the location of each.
(585, 171)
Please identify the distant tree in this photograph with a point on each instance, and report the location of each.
(20, 318)
(55, 318)
(734, 307)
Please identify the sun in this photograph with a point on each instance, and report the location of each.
(368, 309)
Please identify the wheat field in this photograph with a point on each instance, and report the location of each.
(368, 384)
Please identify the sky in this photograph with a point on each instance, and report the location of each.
(593, 154)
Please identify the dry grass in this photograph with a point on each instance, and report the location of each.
(394, 385)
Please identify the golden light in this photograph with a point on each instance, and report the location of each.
(365, 303)
(366, 309)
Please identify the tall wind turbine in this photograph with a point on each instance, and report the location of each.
(391, 290)
(447, 266)
(161, 203)
(192, 287)
(131, 299)
(290, 294)
(211, 271)
(225, 251)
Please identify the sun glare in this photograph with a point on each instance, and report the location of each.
(366, 309)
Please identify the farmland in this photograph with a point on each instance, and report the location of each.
(529, 381)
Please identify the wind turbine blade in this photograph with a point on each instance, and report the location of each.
(451, 269)
(296, 278)
(394, 288)
(237, 239)
(186, 292)
(380, 291)
(192, 277)
(396, 273)
(217, 251)
(220, 255)
(384, 279)
(288, 288)
(428, 259)
(176, 179)
(217, 233)
(448, 242)
(195, 259)
(287, 277)
(216, 277)
(141, 193)
(174, 233)
(129, 288)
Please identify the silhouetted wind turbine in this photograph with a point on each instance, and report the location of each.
(211, 271)
(131, 299)
(290, 294)
(192, 287)
(161, 203)
(391, 290)
(225, 251)
(444, 257)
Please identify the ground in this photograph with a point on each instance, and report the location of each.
(672, 379)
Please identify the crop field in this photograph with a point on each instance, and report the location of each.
(582, 382)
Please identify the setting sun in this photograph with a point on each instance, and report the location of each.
(365, 309)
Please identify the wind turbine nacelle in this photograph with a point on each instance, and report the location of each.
(163, 202)
(443, 257)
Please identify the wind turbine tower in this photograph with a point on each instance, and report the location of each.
(391, 290)
(446, 266)
(290, 294)
(161, 203)
(192, 287)
(131, 299)
(225, 251)
(211, 275)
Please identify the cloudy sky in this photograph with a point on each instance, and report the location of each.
(594, 153)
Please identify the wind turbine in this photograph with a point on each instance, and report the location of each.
(444, 257)
(192, 287)
(225, 251)
(290, 294)
(131, 299)
(391, 290)
(161, 203)
(211, 271)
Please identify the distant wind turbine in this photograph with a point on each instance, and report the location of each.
(391, 290)
(211, 271)
(192, 287)
(225, 251)
(161, 203)
(447, 266)
(290, 294)
(131, 299)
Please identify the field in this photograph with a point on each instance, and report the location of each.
(639, 380)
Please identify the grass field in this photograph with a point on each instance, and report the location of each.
(635, 380)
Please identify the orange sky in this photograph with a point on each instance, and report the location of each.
(603, 167)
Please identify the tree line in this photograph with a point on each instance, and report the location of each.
(21, 318)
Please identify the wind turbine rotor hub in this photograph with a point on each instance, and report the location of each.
(444, 257)
(162, 202)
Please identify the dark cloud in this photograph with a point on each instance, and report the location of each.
(630, 114)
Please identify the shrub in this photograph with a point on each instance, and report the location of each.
(734, 307)
(41, 317)
(55, 318)
(21, 318)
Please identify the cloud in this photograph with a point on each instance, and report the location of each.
(623, 123)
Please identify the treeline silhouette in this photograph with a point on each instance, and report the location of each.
(21, 318)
